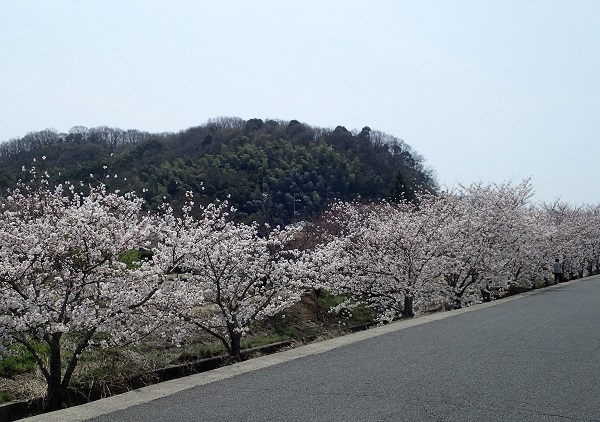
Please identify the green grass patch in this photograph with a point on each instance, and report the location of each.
(19, 360)
(130, 257)
(199, 351)
(6, 397)
(360, 314)
(283, 327)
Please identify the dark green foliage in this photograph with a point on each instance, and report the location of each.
(274, 171)
(402, 190)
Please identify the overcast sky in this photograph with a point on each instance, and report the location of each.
(492, 91)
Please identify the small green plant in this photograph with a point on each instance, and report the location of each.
(130, 257)
(359, 315)
(5, 397)
(19, 360)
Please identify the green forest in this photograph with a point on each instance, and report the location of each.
(272, 171)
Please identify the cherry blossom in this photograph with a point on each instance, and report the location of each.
(387, 255)
(61, 279)
(232, 275)
(491, 241)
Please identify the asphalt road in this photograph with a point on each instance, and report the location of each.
(534, 357)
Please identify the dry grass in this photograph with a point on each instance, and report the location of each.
(23, 387)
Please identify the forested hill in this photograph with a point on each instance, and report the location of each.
(274, 171)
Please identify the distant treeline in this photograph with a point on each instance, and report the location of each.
(273, 171)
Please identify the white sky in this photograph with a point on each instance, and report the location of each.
(491, 91)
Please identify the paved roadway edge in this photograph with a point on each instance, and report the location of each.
(167, 388)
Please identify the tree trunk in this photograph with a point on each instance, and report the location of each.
(235, 337)
(457, 302)
(236, 345)
(486, 295)
(54, 396)
(407, 311)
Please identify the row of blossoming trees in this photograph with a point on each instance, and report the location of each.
(454, 249)
(65, 284)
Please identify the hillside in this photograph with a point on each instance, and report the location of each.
(274, 171)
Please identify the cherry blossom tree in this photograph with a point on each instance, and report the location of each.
(233, 275)
(532, 257)
(494, 243)
(573, 235)
(591, 225)
(467, 256)
(62, 283)
(564, 226)
(388, 254)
